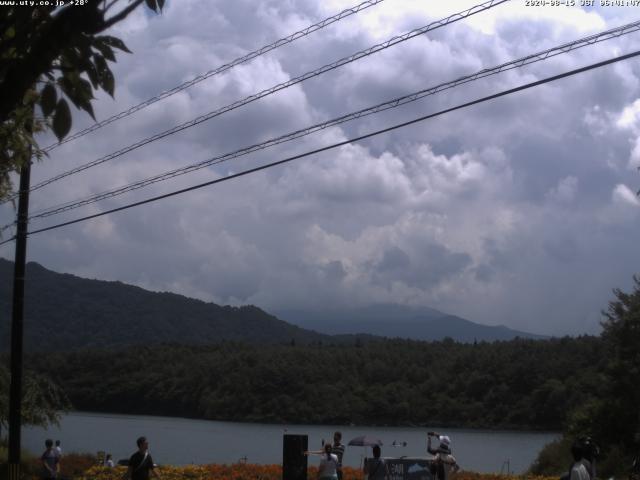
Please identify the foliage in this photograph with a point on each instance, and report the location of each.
(42, 399)
(75, 464)
(612, 416)
(554, 459)
(242, 471)
(517, 384)
(49, 54)
(607, 409)
(28, 462)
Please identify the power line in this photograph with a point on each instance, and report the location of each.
(529, 59)
(221, 69)
(356, 56)
(339, 144)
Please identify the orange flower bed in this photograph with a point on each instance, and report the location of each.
(258, 472)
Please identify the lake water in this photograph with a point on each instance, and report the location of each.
(179, 441)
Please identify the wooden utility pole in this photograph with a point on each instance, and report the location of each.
(17, 323)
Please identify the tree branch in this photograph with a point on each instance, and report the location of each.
(122, 15)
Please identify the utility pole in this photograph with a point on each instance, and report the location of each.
(17, 322)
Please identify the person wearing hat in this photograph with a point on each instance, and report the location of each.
(443, 463)
(584, 451)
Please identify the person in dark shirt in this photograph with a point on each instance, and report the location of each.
(376, 468)
(141, 463)
(50, 461)
(338, 449)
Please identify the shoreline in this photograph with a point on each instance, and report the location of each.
(409, 425)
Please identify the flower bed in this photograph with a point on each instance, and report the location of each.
(259, 472)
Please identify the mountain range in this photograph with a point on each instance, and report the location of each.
(390, 320)
(66, 312)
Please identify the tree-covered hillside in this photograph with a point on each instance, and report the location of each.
(516, 384)
(64, 312)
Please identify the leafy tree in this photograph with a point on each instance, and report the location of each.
(614, 418)
(49, 54)
(42, 399)
(621, 333)
(607, 405)
(418, 382)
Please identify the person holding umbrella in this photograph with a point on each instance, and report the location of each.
(366, 441)
(376, 468)
(444, 463)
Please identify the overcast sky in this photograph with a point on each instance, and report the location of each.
(521, 211)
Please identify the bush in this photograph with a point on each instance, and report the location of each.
(27, 462)
(554, 459)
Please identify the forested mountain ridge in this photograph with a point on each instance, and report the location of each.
(64, 312)
(519, 384)
(389, 320)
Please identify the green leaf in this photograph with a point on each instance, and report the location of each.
(105, 77)
(101, 64)
(105, 50)
(152, 5)
(92, 73)
(48, 99)
(87, 107)
(107, 82)
(113, 42)
(62, 119)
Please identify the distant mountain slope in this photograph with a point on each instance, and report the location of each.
(416, 323)
(64, 312)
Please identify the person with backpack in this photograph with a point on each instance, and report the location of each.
(376, 468)
(140, 463)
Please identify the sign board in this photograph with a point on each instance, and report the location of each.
(408, 468)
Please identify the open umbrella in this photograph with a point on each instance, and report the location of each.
(365, 441)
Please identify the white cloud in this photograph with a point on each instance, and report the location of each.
(565, 191)
(624, 196)
(518, 211)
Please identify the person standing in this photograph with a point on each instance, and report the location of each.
(108, 461)
(578, 470)
(376, 468)
(50, 461)
(328, 468)
(338, 449)
(584, 451)
(58, 448)
(140, 463)
(444, 463)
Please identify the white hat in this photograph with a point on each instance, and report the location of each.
(445, 441)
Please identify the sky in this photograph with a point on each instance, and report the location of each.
(520, 211)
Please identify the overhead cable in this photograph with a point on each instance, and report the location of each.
(339, 144)
(396, 102)
(363, 53)
(221, 69)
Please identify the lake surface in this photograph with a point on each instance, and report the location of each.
(179, 441)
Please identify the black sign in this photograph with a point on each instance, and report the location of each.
(406, 468)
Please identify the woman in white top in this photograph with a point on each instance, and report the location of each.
(328, 465)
